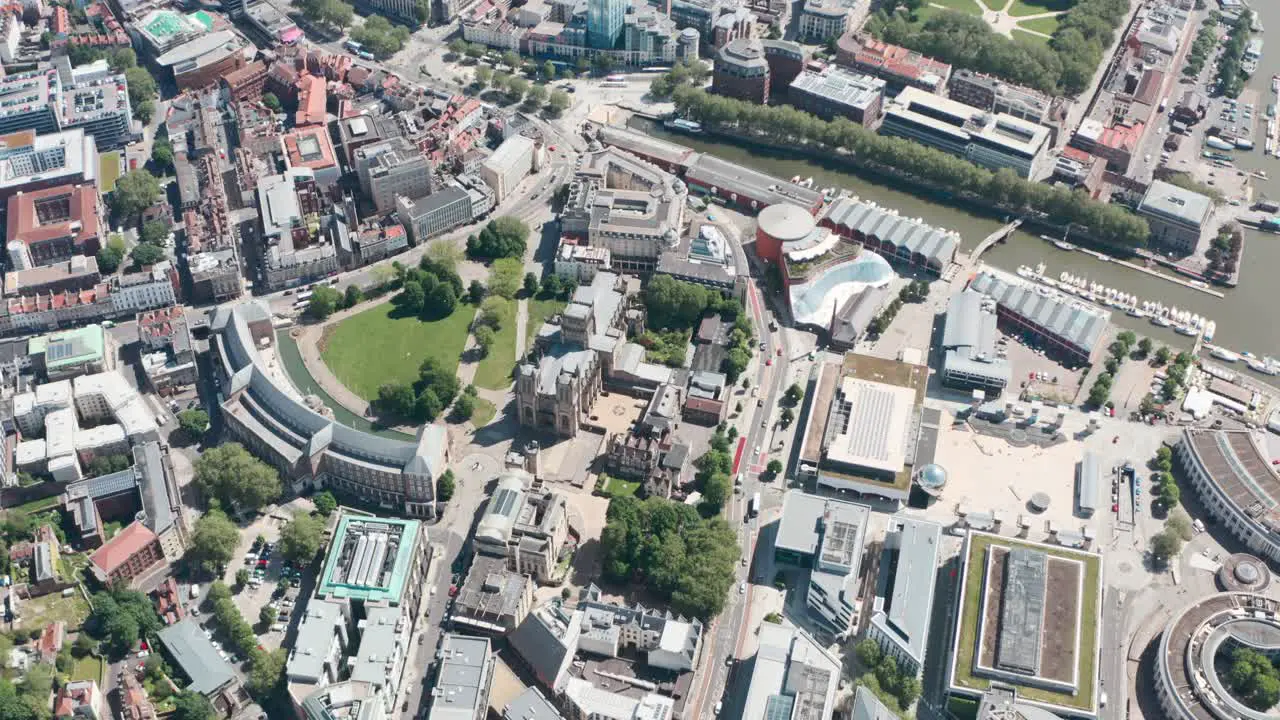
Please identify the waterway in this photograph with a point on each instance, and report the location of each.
(291, 360)
(1243, 316)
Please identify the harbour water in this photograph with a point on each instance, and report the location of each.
(1244, 316)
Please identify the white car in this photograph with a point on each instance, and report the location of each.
(742, 588)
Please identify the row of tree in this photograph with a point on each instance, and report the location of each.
(672, 550)
(1064, 66)
(1231, 74)
(788, 127)
(883, 678)
(266, 667)
(516, 88)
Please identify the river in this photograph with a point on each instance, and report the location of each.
(1241, 316)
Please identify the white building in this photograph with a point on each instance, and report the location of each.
(100, 441)
(145, 290)
(503, 170)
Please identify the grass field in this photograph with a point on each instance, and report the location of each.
(36, 506)
(494, 370)
(484, 412)
(38, 612)
(108, 170)
(1046, 25)
(540, 310)
(1019, 34)
(378, 346)
(965, 6)
(88, 668)
(1019, 8)
(617, 487)
(969, 623)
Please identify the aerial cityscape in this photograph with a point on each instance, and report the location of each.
(626, 360)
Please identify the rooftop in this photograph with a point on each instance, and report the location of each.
(310, 147)
(196, 657)
(969, 337)
(1074, 321)
(369, 559)
(905, 594)
(123, 546)
(1170, 202)
(792, 677)
(69, 347)
(1006, 132)
(804, 517)
(870, 424)
(462, 682)
(840, 86)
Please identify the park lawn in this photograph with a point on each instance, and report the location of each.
(1024, 36)
(970, 7)
(923, 14)
(540, 310)
(36, 506)
(108, 170)
(1046, 25)
(494, 370)
(483, 413)
(617, 487)
(380, 346)
(38, 612)
(1020, 8)
(88, 667)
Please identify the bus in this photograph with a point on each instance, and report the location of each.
(615, 78)
(353, 46)
(754, 508)
(305, 295)
(301, 306)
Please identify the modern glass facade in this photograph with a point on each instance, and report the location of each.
(604, 22)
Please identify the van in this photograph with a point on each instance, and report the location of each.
(194, 592)
(719, 707)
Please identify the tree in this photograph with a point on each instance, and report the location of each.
(142, 86)
(119, 618)
(535, 96)
(492, 311)
(193, 422)
(1164, 458)
(505, 236)
(716, 490)
(511, 59)
(774, 467)
(483, 76)
(135, 191)
(1127, 338)
(267, 615)
(265, 671)
(557, 101)
(162, 154)
(1144, 347)
(352, 296)
(530, 283)
(242, 577)
(441, 381)
(272, 102)
(231, 475)
(445, 486)
(548, 70)
(1179, 523)
(324, 301)
(474, 51)
(795, 393)
(428, 405)
(465, 406)
(485, 337)
(153, 233)
(189, 705)
(868, 653)
(396, 399)
(412, 298)
(787, 416)
(111, 254)
(457, 47)
(1165, 545)
(301, 539)
(213, 543)
(325, 502)
(505, 277)
(475, 292)
(1162, 355)
(145, 254)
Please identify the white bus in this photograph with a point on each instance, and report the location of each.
(615, 78)
(754, 508)
(304, 295)
(300, 306)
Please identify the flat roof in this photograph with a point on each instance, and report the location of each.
(369, 558)
(800, 530)
(838, 85)
(792, 677)
(909, 582)
(69, 347)
(869, 424)
(1170, 202)
(462, 680)
(997, 128)
(196, 657)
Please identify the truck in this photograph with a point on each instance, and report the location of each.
(754, 508)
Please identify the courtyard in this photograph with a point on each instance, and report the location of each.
(383, 345)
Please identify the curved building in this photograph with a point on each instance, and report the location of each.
(1187, 680)
(309, 449)
(909, 241)
(1233, 476)
(779, 225)
(828, 290)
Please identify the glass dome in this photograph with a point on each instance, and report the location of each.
(932, 476)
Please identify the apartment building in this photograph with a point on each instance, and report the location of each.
(390, 169)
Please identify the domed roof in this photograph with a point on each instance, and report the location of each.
(932, 475)
(1247, 573)
(786, 222)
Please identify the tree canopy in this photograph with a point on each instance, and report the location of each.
(1253, 679)
(229, 474)
(670, 548)
(301, 539)
(380, 37)
(505, 277)
(146, 253)
(324, 301)
(135, 191)
(119, 618)
(505, 236)
(213, 542)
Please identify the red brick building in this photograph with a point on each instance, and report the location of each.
(56, 223)
(247, 82)
(131, 553)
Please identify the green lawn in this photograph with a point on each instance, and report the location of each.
(540, 310)
(965, 6)
(484, 412)
(88, 668)
(974, 570)
(108, 170)
(1020, 8)
(1046, 25)
(41, 611)
(378, 346)
(36, 506)
(1019, 34)
(617, 487)
(925, 12)
(494, 370)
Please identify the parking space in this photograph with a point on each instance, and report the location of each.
(1037, 374)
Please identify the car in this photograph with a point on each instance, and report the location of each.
(1115, 507)
(768, 362)
(728, 662)
(744, 562)
(760, 402)
(742, 588)
(552, 148)
(762, 346)
(195, 611)
(779, 352)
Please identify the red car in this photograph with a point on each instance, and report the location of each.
(1115, 507)
(768, 362)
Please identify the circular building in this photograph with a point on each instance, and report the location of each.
(1187, 680)
(1243, 572)
(932, 478)
(1232, 474)
(778, 225)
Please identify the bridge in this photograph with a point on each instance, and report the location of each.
(998, 236)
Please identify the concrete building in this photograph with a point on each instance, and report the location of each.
(993, 141)
(78, 273)
(309, 449)
(1072, 328)
(311, 148)
(622, 204)
(972, 359)
(66, 354)
(741, 72)
(792, 676)
(507, 166)
(29, 161)
(152, 287)
(994, 95)
(202, 61)
(81, 699)
(1177, 217)
(439, 212)
(464, 672)
(527, 526)
(786, 60)
(1231, 473)
(492, 599)
(390, 169)
(531, 705)
(826, 537)
(835, 92)
(53, 225)
(904, 591)
(294, 250)
(96, 100)
(821, 20)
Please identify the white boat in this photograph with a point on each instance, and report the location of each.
(1063, 245)
(1185, 330)
(1209, 329)
(1224, 354)
(1135, 312)
(1160, 320)
(1256, 365)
